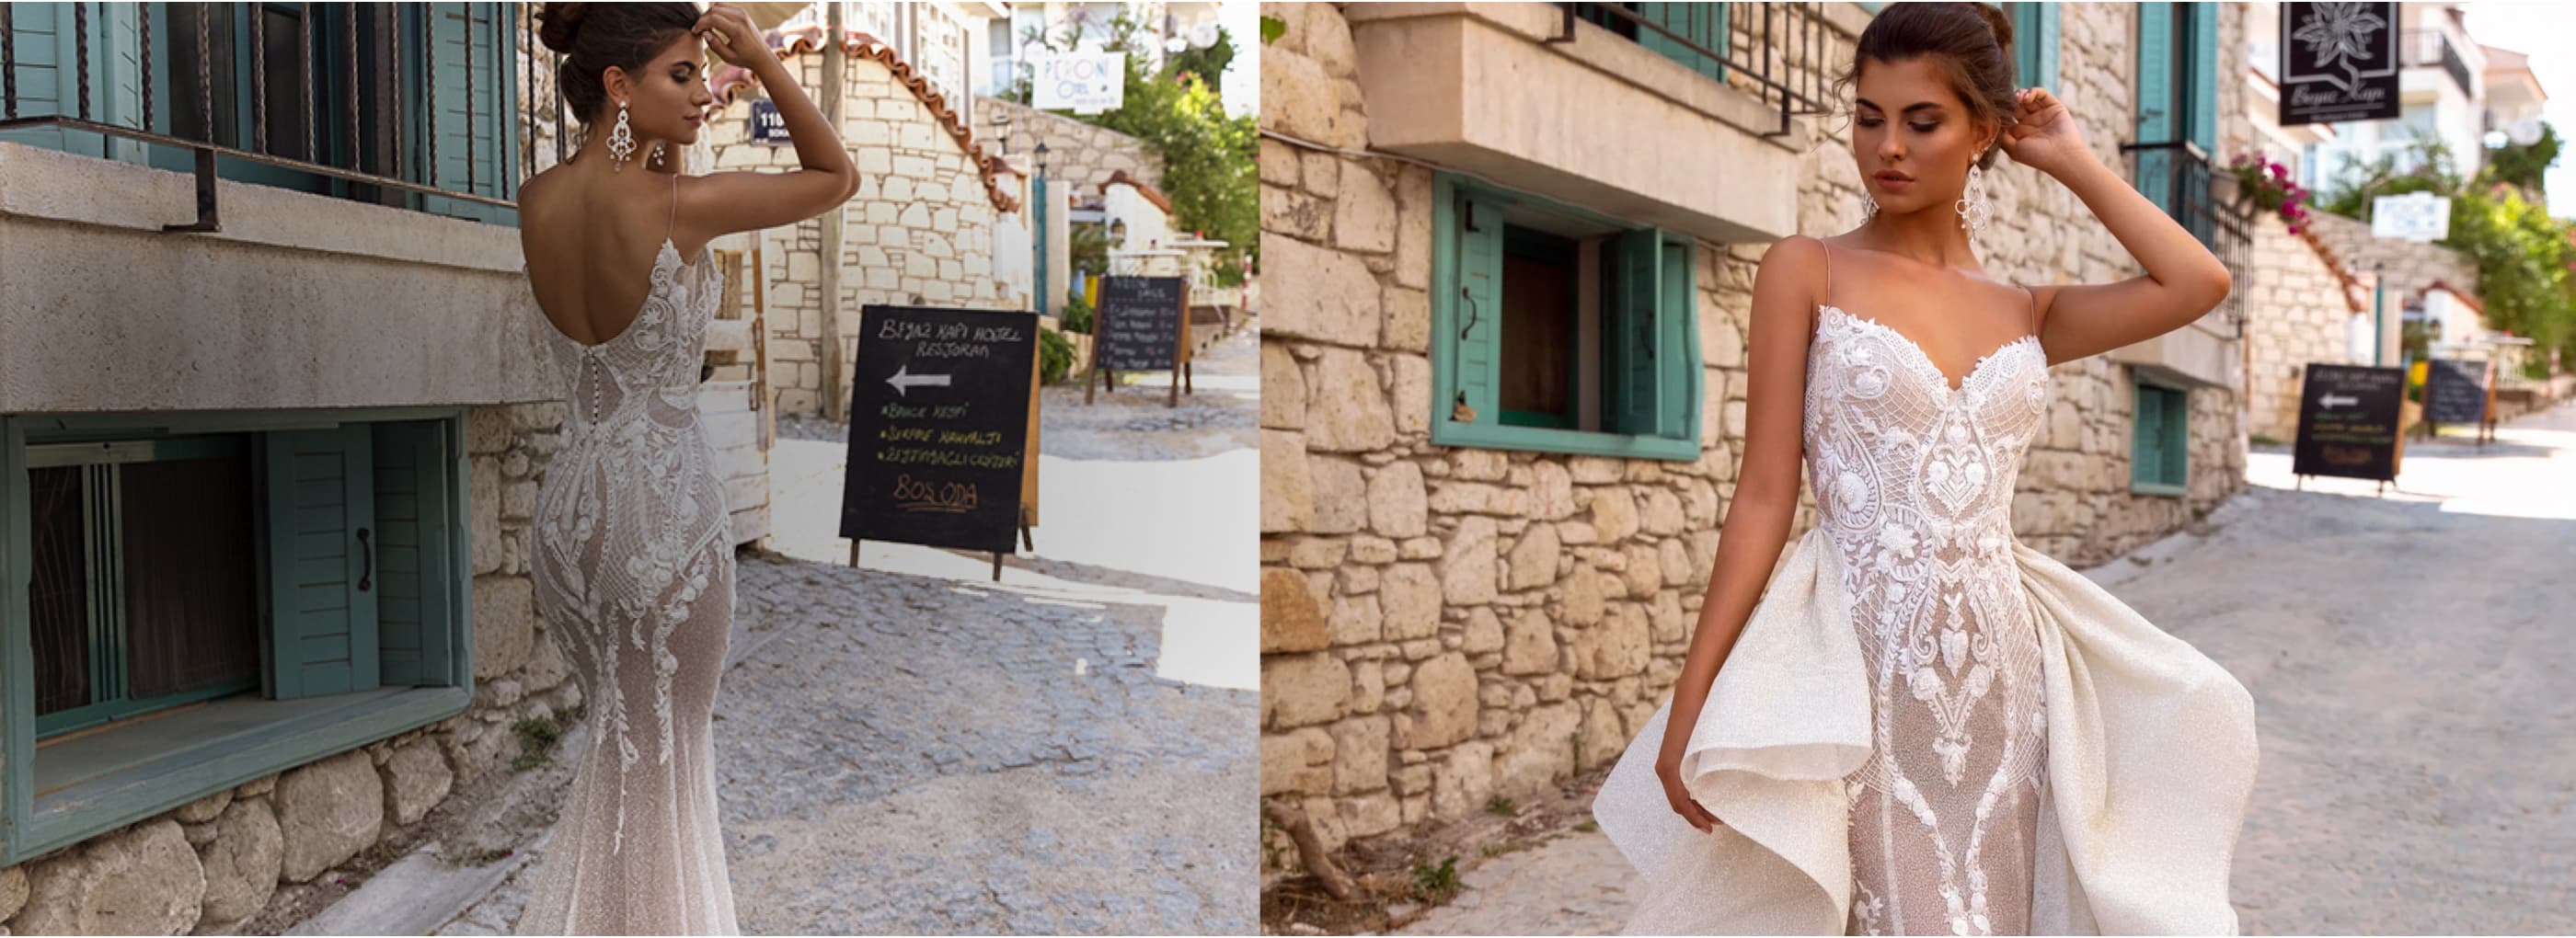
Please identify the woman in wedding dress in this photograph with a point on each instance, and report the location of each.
(632, 543)
(1922, 725)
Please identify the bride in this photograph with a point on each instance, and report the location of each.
(1923, 725)
(633, 553)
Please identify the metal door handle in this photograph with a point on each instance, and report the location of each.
(366, 561)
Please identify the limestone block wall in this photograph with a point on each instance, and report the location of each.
(1083, 155)
(2304, 318)
(919, 231)
(207, 865)
(1445, 625)
(2405, 267)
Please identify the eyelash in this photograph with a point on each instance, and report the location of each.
(1918, 128)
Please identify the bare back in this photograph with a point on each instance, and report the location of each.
(591, 240)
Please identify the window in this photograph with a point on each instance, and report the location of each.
(2177, 93)
(216, 597)
(2159, 460)
(373, 105)
(2035, 44)
(1559, 330)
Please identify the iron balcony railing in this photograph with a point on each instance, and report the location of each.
(2179, 176)
(1774, 50)
(2433, 47)
(376, 45)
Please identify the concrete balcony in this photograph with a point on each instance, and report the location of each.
(302, 301)
(1598, 121)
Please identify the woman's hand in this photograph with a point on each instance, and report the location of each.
(2044, 137)
(1680, 796)
(729, 34)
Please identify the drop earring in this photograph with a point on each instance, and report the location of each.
(657, 153)
(1868, 207)
(1975, 207)
(621, 139)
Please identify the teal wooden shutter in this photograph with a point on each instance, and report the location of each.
(321, 532)
(1636, 329)
(1476, 359)
(415, 561)
(1681, 377)
(2204, 77)
(466, 55)
(2177, 427)
(46, 41)
(1703, 24)
(2146, 458)
(2157, 120)
(2044, 41)
(40, 33)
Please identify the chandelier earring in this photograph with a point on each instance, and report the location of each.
(1868, 206)
(1976, 206)
(621, 139)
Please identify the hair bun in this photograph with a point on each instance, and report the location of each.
(561, 24)
(2001, 24)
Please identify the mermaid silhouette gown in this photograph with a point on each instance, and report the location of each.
(634, 575)
(1926, 726)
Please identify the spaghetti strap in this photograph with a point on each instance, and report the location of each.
(673, 226)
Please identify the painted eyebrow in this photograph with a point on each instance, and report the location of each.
(1909, 109)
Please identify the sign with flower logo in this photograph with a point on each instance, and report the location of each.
(2339, 62)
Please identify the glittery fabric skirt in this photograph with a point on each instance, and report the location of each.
(2150, 763)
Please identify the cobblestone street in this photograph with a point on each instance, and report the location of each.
(2406, 655)
(909, 747)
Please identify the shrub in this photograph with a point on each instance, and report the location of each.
(1055, 356)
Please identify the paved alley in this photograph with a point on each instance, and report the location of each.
(909, 747)
(2407, 656)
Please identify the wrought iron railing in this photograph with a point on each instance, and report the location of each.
(1781, 54)
(2433, 47)
(362, 75)
(2177, 175)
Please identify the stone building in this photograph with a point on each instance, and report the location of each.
(1080, 155)
(1483, 550)
(920, 231)
(265, 486)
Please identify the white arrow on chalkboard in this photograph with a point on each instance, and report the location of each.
(2329, 401)
(901, 380)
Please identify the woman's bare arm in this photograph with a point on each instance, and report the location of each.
(2183, 279)
(1766, 491)
(723, 203)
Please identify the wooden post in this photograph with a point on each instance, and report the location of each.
(829, 271)
(1181, 347)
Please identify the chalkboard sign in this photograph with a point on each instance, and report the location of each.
(766, 126)
(939, 427)
(2339, 62)
(2455, 391)
(2348, 422)
(1139, 323)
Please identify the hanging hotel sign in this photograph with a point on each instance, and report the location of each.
(2421, 217)
(1081, 82)
(2338, 62)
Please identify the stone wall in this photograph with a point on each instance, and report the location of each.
(209, 864)
(2305, 315)
(919, 231)
(1078, 153)
(1445, 625)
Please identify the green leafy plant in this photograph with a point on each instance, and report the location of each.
(1436, 883)
(1272, 28)
(1502, 807)
(2525, 165)
(537, 736)
(1055, 356)
(1078, 315)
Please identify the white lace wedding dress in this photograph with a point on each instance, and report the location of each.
(634, 575)
(1926, 726)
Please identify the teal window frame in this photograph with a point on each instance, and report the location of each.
(333, 679)
(2177, 90)
(47, 47)
(2035, 42)
(101, 467)
(1650, 369)
(2160, 450)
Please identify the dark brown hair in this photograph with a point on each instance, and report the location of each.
(1971, 42)
(594, 36)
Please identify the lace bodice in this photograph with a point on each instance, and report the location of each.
(1914, 480)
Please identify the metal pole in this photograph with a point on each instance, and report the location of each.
(2378, 306)
(1038, 192)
